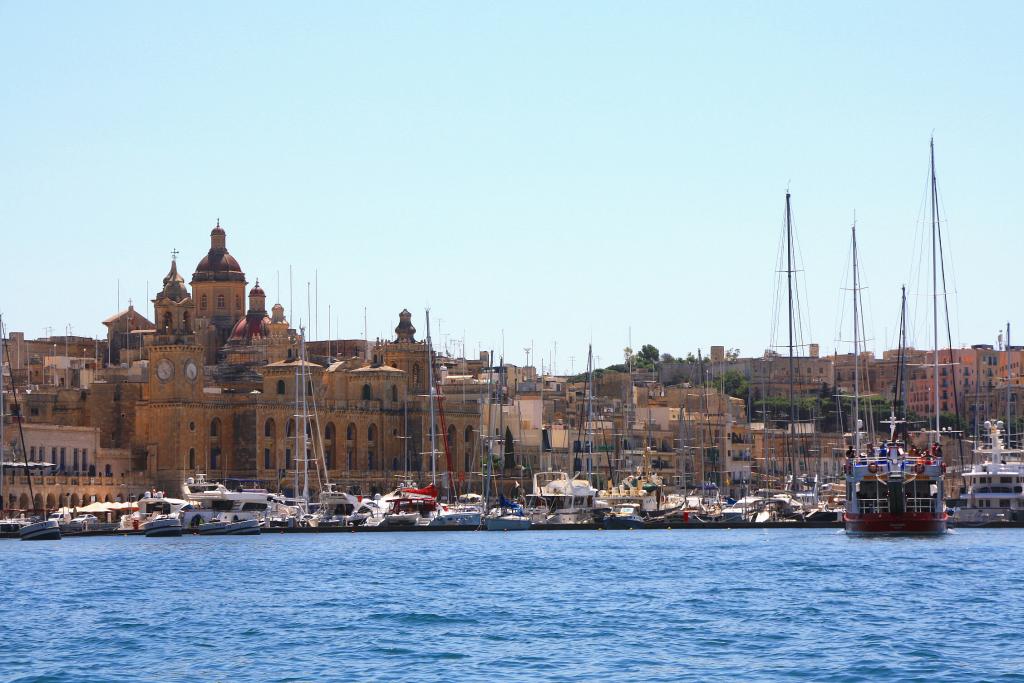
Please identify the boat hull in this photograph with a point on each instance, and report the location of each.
(47, 530)
(910, 524)
(508, 523)
(247, 527)
(613, 522)
(162, 528)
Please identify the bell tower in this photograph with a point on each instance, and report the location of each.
(175, 359)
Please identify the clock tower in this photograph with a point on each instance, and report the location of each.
(175, 359)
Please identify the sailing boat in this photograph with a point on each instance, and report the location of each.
(46, 529)
(892, 490)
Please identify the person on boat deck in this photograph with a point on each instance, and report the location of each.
(850, 453)
(937, 450)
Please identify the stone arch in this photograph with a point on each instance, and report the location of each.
(215, 427)
(367, 393)
(51, 502)
(74, 501)
(107, 499)
(37, 502)
(280, 387)
(23, 502)
(269, 428)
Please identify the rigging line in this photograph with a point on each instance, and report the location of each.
(949, 338)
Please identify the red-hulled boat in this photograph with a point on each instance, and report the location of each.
(891, 492)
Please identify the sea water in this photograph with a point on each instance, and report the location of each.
(680, 605)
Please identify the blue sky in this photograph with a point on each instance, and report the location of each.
(534, 172)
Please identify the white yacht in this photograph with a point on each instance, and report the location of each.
(336, 508)
(151, 507)
(410, 506)
(210, 500)
(994, 486)
(557, 499)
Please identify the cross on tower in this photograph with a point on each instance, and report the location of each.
(174, 254)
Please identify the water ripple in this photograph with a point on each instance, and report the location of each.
(708, 605)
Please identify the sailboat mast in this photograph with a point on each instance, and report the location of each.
(305, 420)
(1006, 432)
(856, 349)
(590, 410)
(430, 401)
(789, 290)
(295, 420)
(935, 287)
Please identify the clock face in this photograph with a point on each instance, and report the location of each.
(191, 371)
(164, 370)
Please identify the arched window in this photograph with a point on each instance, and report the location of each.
(191, 459)
(329, 445)
(202, 302)
(268, 427)
(350, 432)
(452, 443)
(290, 429)
(416, 374)
(215, 427)
(280, 387)
(186, 321)
(168, 320)
(220, 301)
(394, 393)
(367, 393)
(371, 433)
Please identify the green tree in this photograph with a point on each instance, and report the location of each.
(649, 353)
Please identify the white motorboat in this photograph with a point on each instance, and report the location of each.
(410, 506)
(46, 530)
(994, 486)
(210, 499)
(337, 508)
(557, 499)
(150, 507)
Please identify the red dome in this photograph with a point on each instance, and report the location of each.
(215, 262)
(257, 291)
(251, 327)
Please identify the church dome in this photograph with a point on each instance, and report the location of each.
(253, 327)
(257, 290)
(218, 264)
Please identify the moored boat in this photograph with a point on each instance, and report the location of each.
(161, 526)
(625, 516)
(994, 486)
(46, 530)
